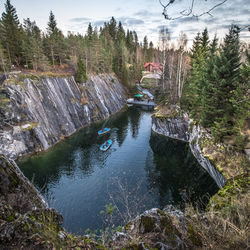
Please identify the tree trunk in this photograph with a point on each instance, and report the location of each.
(52, 56)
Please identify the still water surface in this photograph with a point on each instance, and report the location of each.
(141, 170)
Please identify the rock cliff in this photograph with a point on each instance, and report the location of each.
(181, 128)
(37, 113)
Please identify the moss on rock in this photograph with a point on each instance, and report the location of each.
(226, 196)
(147, 224)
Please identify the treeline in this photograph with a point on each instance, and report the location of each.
(176, 68)
(217, 89)
(107, 49)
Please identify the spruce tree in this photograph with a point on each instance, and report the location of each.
(32, 46)
(52, 25)
(90, 32)
(3, 60)
(210, 100)
(229, 75)
(81, 75)
(205, 42)
(120, 33)
(112, 28)
(192, 93)
(189, 99)
(11, 34)
(151, 52)
(55, 42)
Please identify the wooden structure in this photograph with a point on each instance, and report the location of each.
(153, 67)
(147, 103)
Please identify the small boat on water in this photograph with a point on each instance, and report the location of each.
(103, 131)
(106, 145)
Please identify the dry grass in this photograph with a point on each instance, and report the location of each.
(225, 224)
(36, 76)
(167, 112)
(228, 161)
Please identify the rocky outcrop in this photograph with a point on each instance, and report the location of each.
(176, 128)
(39, 113)
(25, 220)
(204, 162)
(181, 128)
(158, 229)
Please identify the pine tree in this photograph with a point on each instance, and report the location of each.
(11, 34)
(81, 75)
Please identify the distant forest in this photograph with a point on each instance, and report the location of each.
(109, 48)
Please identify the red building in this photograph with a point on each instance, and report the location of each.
(153, 67)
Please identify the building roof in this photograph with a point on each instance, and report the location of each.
(154, 65)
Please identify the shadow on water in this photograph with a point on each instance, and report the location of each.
(177, 175)
(141, 170)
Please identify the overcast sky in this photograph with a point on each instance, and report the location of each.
(143, 16)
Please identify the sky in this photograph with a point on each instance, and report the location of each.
(143, 16)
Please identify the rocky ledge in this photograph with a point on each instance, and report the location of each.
(182, 128)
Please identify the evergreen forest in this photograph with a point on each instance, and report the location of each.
(107, 49)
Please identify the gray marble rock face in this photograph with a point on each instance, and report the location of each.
(40, 113)
(179, 128)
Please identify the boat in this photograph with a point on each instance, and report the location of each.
(106, 145)
(103, 131)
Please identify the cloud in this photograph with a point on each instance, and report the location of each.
(245, 12)
(80, 19)
(146, 14)
(156, 21)
(191, 30)
(211, 20)
(187, 20)
(133, 21)
(245, 35)
(130, 21)
(99, 22)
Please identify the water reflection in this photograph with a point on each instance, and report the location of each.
(177, 175)
(140, 171)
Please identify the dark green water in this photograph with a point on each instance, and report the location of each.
(140, 171)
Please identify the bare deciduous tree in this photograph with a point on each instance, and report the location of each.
(164, 40)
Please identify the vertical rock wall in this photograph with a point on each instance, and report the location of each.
(41, 112)
(179, 128)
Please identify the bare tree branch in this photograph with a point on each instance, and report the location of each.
(187, 12)
(245, 27)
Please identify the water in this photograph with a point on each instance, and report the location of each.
(141, 170)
